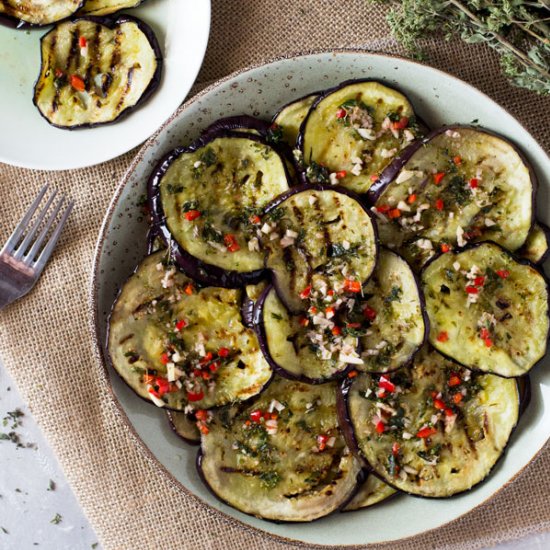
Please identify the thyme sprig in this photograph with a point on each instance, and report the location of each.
(518, 30)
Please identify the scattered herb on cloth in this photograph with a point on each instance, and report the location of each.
(518, 30)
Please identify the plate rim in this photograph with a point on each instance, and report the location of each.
(94, 316)
(203, 45)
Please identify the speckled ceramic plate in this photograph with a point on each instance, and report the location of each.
(439, 98)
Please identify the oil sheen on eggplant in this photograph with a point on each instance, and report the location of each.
(180, 346)
(95, 70)
(39, 12)
(281, 456)
(319, 239)
(211, 198)
(353, 132)
(434, 430)
(487, 310)
(456, 186)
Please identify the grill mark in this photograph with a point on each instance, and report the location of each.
(49, 64)
(115, 58)
(126, 89)
(51, 59)
(326, 235)
(125, 339)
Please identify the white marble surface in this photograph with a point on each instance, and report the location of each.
(28, 505)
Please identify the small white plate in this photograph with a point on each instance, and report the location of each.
(182, 28)
(438, 98)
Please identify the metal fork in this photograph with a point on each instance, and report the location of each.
(23, 257)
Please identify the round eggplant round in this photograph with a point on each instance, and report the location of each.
(182, 347)
(37, 12)
(434, 430)
(391, 316)
(206, 201)
(282, 456)
(184, 425)
(297, 349)
(372, 491)
(107, 7)
(319, 240)
(95, 70)
(353, 131)
(289, 118)
(536, 247)
(488, 311)
(456, 186)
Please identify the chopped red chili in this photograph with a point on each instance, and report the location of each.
(192, 215)
(426, 432)
(438, 177)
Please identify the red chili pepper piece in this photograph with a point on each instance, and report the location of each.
(188, 289)
(383, 208)
(484, 333)
(341, 113)
(454, 380)
(164, 359)
(394, 213)
(204, 430)
(352, 286)
(380, 427)
(439, 404)
(77, 83)
(369, 313)
(223, 352)
(214, 366)
(449, 412)
(192, 215)
(457, 398)
(439, 204)
(479, 281)
(231, 243)
(322, 442)
(305, 293)
(471, 290)
(401, 124)
(255, 416)
(82, 42)
(304, 321)
(207, 358)
(59, 73)
(182, 323)
(386, 384)
(395, 449)
(336, 331)
(443, 336)
(426, 432)
(201, 414)
(474, 182)
(373, 177)
(411, 198)
(503, 273)
(195, 396)
(352, 374)
(256, 220)
(438, 177)
(444, 248)
(457, 160)
(341, 174)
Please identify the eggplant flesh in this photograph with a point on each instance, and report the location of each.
(95, 70)
(372, 491)
(39, 12)
(456, 186)
(290, 117)
(394, 305)
(107, 7)
(185, 426)
(318, 239)
(422, 439)
(354, 131)
(487, 310)
(536, 247)
(281, 457)
(166, 338)
(209, 199)
(296, 348)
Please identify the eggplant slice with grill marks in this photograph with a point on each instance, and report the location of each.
(319, 240)
(488, 311)
(282, 456)
(352, 132)
(180, 346)
(96, 70)
(434, 430)
(206, 202)
(456, 186)
(107, 7)
(38, 12)
(372, 491)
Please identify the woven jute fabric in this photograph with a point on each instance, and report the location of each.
(46, 344)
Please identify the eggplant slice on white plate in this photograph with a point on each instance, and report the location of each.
(37, 12)
(96, 70)
(107, 7)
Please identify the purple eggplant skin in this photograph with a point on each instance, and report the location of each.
(522, 261)
(193, 442)
(524, 390)
(347, 428)
(259, 328)
(111, 22)
(361, 476)
(342, 410)
(247, 311)
(20, 25)
(394, 167)
(196, 269)
(281, 109)
(319, 187)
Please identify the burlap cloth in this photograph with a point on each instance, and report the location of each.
(45, 341)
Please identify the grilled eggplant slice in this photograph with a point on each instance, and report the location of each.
(373, 491)
(206, 202)
(298, 349)
(434, 430)
(394, 313)
(318, 239)
(352, 133)
(487, 310)
(281, 457)
(290, 117)
(181, 347)
(38, 12)
(96, 70)
(184, 425)
(456, 186)
(107, 7)
(536, 247)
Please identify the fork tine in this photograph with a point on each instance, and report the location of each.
(18, 254)
(19, 230)
(31, 254)
(48, 249)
